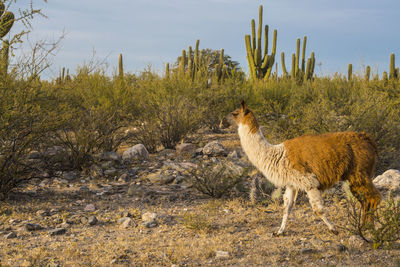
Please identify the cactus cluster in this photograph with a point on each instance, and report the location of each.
(260, 63)
(194, 64)
(63, 77)
(302, 72)
(6, 23)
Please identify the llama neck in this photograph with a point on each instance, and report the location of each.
(254, 145)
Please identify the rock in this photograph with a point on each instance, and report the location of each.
(341, 248)
(136, 191)
(149, 217)
(389, 180)
(10, 235)
(112, 156)
(90, 208)
(159, 178)
(110, 172)
(137, 152)
(43, 213)
(126, 222)
(34, 155)
(214, 148)
(57, 231)
(222, 254)
(33, 227)
(44, 183)
(234, 155)
(185, 149)
(150, 224)
(70, 175)
(307, 251)
(92, 220)
(356, 242)
(199, 151)
(96, 171)
(125, 214)
(107, 165)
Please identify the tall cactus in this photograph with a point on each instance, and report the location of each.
(120, 67)
(260, 63)
(350, 72)
(6, 23)
(392, 67)
(367, 73)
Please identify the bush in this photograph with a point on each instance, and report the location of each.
(383, 230)
(22, 127)
(218, 180)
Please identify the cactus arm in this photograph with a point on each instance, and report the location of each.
(120, 66)
(266, 29)
(303, 54)
(293, 71)
(285, 73)
(297, 56)
(253, 36)
(367, 73)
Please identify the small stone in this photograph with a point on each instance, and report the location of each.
(33, 227)
(110, 156)
(34, 155)
(149, 217)
(110, 172)
(125, 222)
(185, 149)
(57, 231)
(92, 220)
(70, 175)
(356, 242)
(222, 254)
(160, 179)
(150, 224)
(43, 213)
(90, 208)
(307, 251)
(10, 235)
(214, 148)
(138, 152)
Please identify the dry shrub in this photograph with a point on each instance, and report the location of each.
(383, 229)
(216, 180)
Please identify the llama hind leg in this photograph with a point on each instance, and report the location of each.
(317, 204)
(288, 199)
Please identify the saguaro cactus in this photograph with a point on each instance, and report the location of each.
(367, 73)
(260, 63)
(120, 66)
(6, 23)
(392, 67)
(350, 72)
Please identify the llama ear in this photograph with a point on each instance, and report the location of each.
(242, 106)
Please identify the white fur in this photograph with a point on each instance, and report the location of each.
(271, 160)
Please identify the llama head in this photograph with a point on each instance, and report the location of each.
(244, 116)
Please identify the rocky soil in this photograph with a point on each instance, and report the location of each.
(133, 208)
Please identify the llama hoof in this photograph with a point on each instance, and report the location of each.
(334, 231)
(277, 234)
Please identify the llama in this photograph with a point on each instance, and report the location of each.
(312, 163)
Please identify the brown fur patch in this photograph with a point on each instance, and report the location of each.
(338, 156)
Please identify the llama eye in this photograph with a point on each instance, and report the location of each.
(235, 113)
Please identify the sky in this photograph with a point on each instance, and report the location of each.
(154, 32)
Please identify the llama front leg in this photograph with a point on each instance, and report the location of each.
(317, 204)
(288, 199)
